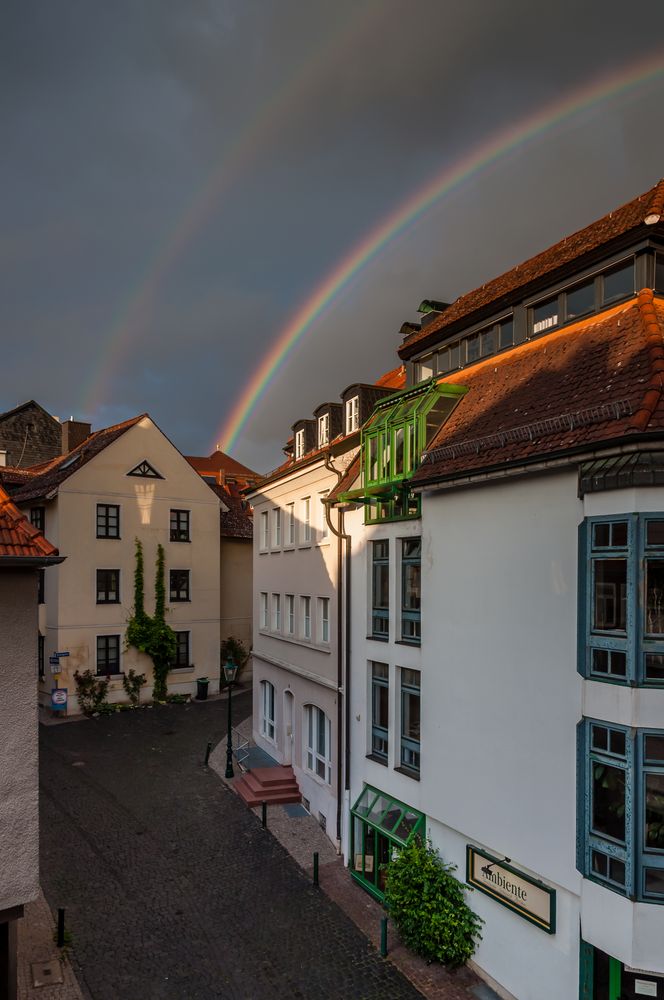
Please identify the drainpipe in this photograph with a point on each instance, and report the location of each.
(343, 649)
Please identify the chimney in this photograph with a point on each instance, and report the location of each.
(74, 432)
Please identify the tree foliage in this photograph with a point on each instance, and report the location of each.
(428, 906)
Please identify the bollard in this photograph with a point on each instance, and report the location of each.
(383, 937)
(316, 868)
(61, 927)
(263, 814)
(207, 753)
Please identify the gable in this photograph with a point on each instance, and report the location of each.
(145, 471)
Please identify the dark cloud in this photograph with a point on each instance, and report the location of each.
(312, 122)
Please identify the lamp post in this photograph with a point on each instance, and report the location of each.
(230, 673)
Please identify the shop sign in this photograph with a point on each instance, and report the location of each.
(528, 897)
(59, 699)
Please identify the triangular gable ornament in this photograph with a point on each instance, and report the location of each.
(145, 471)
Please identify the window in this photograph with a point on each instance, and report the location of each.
(182, 657)
(264, 530)
(580, 301)
(306, 617)
(299, 443)
(323, 430)
(267, 710)
(544, 316)
(621, 610)
(276, 528)
(659, 272)
(41, 659)
(290, 524)
(410, 720)
(38, 517)
(324, 528)
(276, 612)
(108, 586)
(306, 519)
(180, 585)
(318, 742)
(380, 697)
(108, 654)
(41, 586)
(411, 549)
(290, 614)
(618, 283)
(108, 520)
(352, 414)
(324, 619)
(380, 589)
(180, 526)
(622, 842)
(263, 611)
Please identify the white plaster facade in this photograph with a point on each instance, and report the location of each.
(71, 619)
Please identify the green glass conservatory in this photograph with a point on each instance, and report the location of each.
(380, 826)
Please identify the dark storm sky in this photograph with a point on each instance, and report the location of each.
(178, 177)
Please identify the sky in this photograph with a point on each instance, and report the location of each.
(179, 178)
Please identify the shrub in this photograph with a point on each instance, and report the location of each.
(90, 691)
(428, 906)
(132, 683)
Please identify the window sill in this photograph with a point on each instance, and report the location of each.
(379, 638)
(408, 642)
(415, 775)
(378, 760)
(317, 778)
(182, 670)
(180, 600)
(187, 541)
(100, 603)
(108, 538)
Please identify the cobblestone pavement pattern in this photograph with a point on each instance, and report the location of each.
(171, 888)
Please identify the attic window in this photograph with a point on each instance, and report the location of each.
(323, 429)
(545, 316)
(299, 443)
(352, 414)
(145, 471)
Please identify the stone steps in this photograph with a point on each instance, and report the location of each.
(274, 785)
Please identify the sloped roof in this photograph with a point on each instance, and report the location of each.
(18, 538)
(591, 383)
(219, 461)
(52, 474)
(237, 520)
(646, 210)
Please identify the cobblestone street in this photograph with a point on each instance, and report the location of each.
(171, 887)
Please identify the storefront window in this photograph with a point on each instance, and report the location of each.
(381, 826)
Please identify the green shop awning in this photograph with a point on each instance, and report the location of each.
(386, 814)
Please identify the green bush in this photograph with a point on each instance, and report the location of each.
(132, 683)
(91, 691)
(428, 906)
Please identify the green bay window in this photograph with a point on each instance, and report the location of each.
(381, 825)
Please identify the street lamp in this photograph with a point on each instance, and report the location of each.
(230, 673)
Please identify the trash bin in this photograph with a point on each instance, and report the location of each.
(202, 688)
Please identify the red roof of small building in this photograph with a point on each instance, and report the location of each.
(18, 538)
(646, 210)
(219, 462)
(585, 385)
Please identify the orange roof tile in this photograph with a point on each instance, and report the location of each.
(18, 538)
(219, 461)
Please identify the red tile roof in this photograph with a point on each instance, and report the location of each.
(237, 521)
(591, 383)
(646, 210)
(394, 379)
(51, 474)
(220, 462)
(18, 538)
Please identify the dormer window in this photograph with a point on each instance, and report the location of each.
(352, 414)
(545, 316)
(299, 443)
(323, 430)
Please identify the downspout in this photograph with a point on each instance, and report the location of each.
(343, 643)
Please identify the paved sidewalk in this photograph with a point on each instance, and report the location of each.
(301, 836)
(40, 960)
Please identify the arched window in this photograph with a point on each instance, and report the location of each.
(267, 710)
(318, 741)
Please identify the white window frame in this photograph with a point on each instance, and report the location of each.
(299, 443)
(276, 612)
(290, 614)
(317, 751)
(306, 520)
(276, 528)
(323, 430)
(264, 534)
(324, 528)
(305, 604)
(324, 620)
(290, 524)
(352, 414)
(263, 619)
(268, 727)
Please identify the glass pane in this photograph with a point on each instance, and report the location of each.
(373, 459)
(411, 586)
(581, 300)
(617, 870)
(454, 356)
(608, 801)
(617, 664)
(600, 738)
(654, 667)
(410, 723)
(473, 348)
(378, 808)
(381, 586)
(380, 670)
(545, 316)
(443, 360)
(610, 594)
(412, 548)
(654, 881)
(363, 804)
(406, 826)
(619, 283)
(654, 623)
(506, 334)
(655, 533)
(411, 678)
(654, 748)
(398, 451)
(654, 811)
(601, 535)
(600, 661)
(619, 534)
(488, 342)
(391, 819)
(369, 854)
(600, 864)
(617, 742)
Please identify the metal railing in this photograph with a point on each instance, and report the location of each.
(241, 746)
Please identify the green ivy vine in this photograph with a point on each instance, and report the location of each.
(152, 636)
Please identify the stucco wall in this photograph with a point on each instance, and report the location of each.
(19, 813)
(236, 594)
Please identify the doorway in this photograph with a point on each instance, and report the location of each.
(605, 978)
(288, 727)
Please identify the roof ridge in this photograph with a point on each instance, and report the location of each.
(655, 348)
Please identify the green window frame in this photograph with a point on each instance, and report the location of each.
(380, 826)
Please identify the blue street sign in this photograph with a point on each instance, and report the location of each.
(61, 654)
(54, 661)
